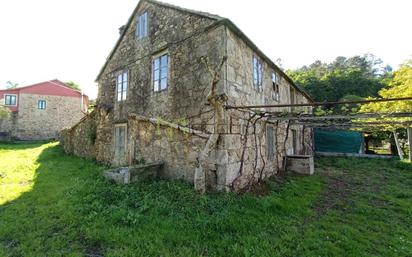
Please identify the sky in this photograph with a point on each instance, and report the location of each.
(71, 39)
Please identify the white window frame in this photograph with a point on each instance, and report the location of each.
(5, 97)
(275, 87)
(116, 142)
(142, 26)
(257, 73)
(122, 85)
(40, 107)
(160, 81)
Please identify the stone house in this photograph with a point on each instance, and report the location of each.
(41, 111)
(153, 103)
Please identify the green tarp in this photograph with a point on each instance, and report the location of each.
(338, 141)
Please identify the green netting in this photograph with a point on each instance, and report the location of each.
(337, 141)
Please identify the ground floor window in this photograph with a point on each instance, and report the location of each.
(41, 104)
(120, 140)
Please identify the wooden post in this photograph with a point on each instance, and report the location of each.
(398, 146)
(410, 143)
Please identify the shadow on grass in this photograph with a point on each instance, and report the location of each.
(72, 211)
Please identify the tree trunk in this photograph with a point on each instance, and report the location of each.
(398, 146)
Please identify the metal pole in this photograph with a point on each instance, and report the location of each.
(410, 142)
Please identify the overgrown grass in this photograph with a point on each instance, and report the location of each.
(52, 204)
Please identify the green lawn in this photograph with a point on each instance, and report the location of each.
(52, 204)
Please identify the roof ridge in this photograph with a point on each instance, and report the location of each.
(196, 12)
(56, 82)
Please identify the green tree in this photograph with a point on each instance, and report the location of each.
(72, 85)
(400, 85)
(11, 85)
(357, 76)
(4, 111)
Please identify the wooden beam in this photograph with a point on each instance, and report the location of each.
(321, 103)
(311, 117)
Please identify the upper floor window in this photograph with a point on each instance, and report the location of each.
(160, 72)
(142, 26)
(41, 104)
(275, 85)
(10, 100)
(257, 74)
(122, 83)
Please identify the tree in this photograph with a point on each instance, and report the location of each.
(4, 111)
(72, 85)
(357, 76)
(400, 85)
(11, 85)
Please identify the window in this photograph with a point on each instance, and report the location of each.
(160, 72)
(257, 74)
(270, 143)
(119, 140)
(122, 83)
(275, 85)
(292, 98)
(142, 26)
(294, 141)
(10, 100)
(41, 104)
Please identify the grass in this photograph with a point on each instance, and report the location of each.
(52, 204)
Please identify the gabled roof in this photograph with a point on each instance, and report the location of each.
(218, 20)
(54, 82)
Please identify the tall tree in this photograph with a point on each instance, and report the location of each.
(73, 85)
(357, 76)
(400, 85)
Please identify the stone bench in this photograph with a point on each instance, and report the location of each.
(135, 173)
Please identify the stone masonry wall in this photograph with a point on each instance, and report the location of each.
(80, 139)
(187, 38)
(240, 91)
(179, 150)
(35, 124)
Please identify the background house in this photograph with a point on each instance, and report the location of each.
(42, 110)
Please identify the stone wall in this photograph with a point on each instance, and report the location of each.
(153, 142)
(188, 38)
(35, 124)
(7, 126)
(248, 159)
(80, 139)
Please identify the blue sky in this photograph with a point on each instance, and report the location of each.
(70, 39)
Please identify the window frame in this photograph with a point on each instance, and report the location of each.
(275, 87)
(40, 107)
(5, 99)
(123, 92)
(116, 146)
(258, 80)
(161, 78)
(143, 16)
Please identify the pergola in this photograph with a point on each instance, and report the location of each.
(338, 121)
